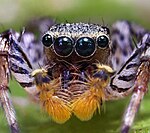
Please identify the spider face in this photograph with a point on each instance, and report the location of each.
(73, 54)
(77, 42)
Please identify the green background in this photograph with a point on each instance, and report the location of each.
(15, 13)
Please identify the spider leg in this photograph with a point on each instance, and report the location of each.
(125, 58)
(26, 53)
(20, 53)
(140, 89)
(5, 100)
(9, 110)
(122, 45)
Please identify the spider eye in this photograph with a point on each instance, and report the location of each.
(63, 46)
(106, 29)
(85, 46)
(47, 40)
(102, 41)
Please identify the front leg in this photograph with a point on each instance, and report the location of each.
(132, 77)
(5, 100)
(125, 57)
(8, 108)
(140, 87)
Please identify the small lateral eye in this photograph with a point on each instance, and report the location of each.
(106, 29)
(63, 46)
(102, 41)
(85, 46)
(47, 40)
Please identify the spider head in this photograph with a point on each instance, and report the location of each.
(77, 42)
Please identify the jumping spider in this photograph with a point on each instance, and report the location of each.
(74, 67)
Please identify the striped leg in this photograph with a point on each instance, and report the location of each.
(125, 58)
(122, 46)
(5, 100)
(140, 88)
(26, 53)
(23, 59)
(131, 71)
(21, 54)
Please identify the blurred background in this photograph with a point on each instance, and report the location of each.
(15, 13)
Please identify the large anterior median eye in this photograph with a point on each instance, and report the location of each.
(85, 46)
(63, 46)
(47, 40)
(102, 41)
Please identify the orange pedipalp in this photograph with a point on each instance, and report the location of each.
(56, 107)
(85, 106)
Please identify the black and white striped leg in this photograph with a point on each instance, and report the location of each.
(5, 100)
(140, 88)
(122, 45)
